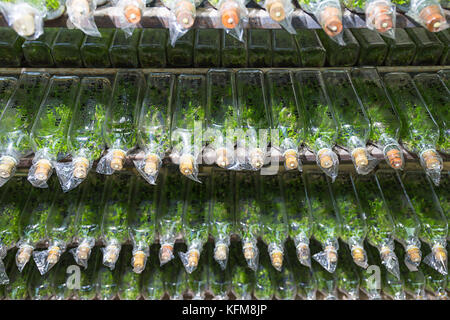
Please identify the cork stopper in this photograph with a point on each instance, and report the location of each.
(139, 260)
(43, 168)
(380, 14)
(7, 165)
(151, 164)
(118, 160)
(83, 252)
(303, 252)
(325, 159)
(132, 14)
(256, 159)
(331, 254)
(432, 17)
(394, 158)
(230, 18)
(276, 11)
(222, 158)
(220, 253)
(53, 255)
(331, 21)
(414, 254)
(193, 257)
(166, 253)
(358, 254)
(24, 25)
(277, 259)
(290, 157)
(385, 252)
(187, 164)
(111, 254)
(431, 160)
(440, 253)
(185, 14)
(24, 255)
(359, 154)
(81, 167)
(249, 251)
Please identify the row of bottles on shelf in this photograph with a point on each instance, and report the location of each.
(210, 48)
(325, 222)
(244, 120)
(211, 282)
(26, 16)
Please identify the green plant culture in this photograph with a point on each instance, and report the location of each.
(49, 132)
(119, 129)
(219, 281)
(286, 116)
(407, 224)
(254, 112)
(347, 276)
(130, 281)
(17, 118)
(17, 288)
(107, 282)
(443, 194)
(298, 216)
(436, 282)
(437, 97)
(427, 13)
(195, 223)
(87, 289)
(242, 278)
(285, 282)
(169, 220)
(197, 282)
(419, 133)
(39, 286)
(248, 210)
(326, 282)
(264, 286)
(353, 227)
(60, 286)
(415, 281)
(354, 126)
(142, 223)
(188, 118)
(434, 230)
(325, 219)
(152, 278)
(175, 280)
(369, 284)
(385, 123)
(154, 124)
(274, 225)
(85, 137)
(380, 225)
(88, 224)
(222, 115)
(222, 214)
(116, 211)
(321, 129)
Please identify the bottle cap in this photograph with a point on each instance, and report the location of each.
(325, 159)
(7, 165)
(414, 254)
(151, 164)
(394, 158)
(290, 157)
(303, 252)
(132, 14)
(193, 257)
(431, 160)
(277, 259)
(185, 14)
(24, 254)
(440, 253)
(187, 164)
(43, 168)
(139, 260)
(53, 255)
(83, 252)
(358, 254)
(249, 251)
(81, 168)
(381, 15)
(230, 17)
(220, 253)
(276, 11)
(166, 253)
(331, 254)
(24, 25)
(331, 21)
(221, 158)
(118, 159)
(432, 17)
(385, 251)
(359, 154)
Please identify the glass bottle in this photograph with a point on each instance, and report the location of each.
(343, 54)
(152, 48)
(10, 48)
(284, 50)
(401, 50)
(181, 53)
(428, 47)
(66, 48)
(123, 51)
(347, 276)
(427, 13)
(37, 52)
(130, 281)
(312, 52)
(259, 46)
(152, 278)
(372, 47)
(207, 48)
(219, 281)
(95, 50)
(233, 52)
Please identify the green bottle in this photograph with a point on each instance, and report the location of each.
(17, 288)
(152, 48)
(436, 282)
(207, 48)
(415, 281)
(188, 118)
(10, 48)
(285, 284)
(197, 281)
(347, 275)
(373, 48)
(130, 281)
(37, 52)
(321, 129)
(303, 275)
(242, 277)
(401, 50)
(87, 289)
(107, 282)
(341, 55)
(444, 37)
(119, 129)
(153, 133)
(284, 50)
(95, 50)
(420, 133)
(326, 282)
(49, 132)
(153, 278)
(434, 229)
(219, 281)
(123, 51)
(370, 278)
(259, 48)
(437, 98)
(445, 77)
(428, 47)
(64, 279)
(385, 123)
(85, 135)
(195, 223)
(142, 221)
(175, 280)
(116, 211)
(39, 286)
(354, 126)
(312, 52)
(181, 54)
(325, 219)
(264, 286)
(66, 48)
(443, 195)
(233, 51)
(248, 211)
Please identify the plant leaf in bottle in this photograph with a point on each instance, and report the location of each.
(130, 281)
(222, 115)
(115, 221)
(85, 135)
(255, 118)
(62, 283)
(107, 282)
(242, 277)
(326, 282)
(81, 15)
(285, 282)
(126, 14)
(353, 227)
(233, 15)
(175, 279)
(154, 123)
(415, 281)
(87, 289)
(298, 216)
(407, 224)
(248, 210)
(434, 229)
(49, 132)
(119, 131)
(195, 223)
(142, 221)
(169, 220)
(436, 282)
(274, 225)
(347, 275)
(39, 286)
(17, 118)
(321, 129)
(17, 288)
(428, 13)
(437, 97)
(222, 214)
(325, 219)
(152, 278)
(354, 126)
(188, 118)
(25, 17)
(286, 116)
(380, 225)
(280, 11)
(385, 123)
(329, 15)
(264, 286)
(219, 280)
(420, 133)
(303, 275)
(197, 281)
